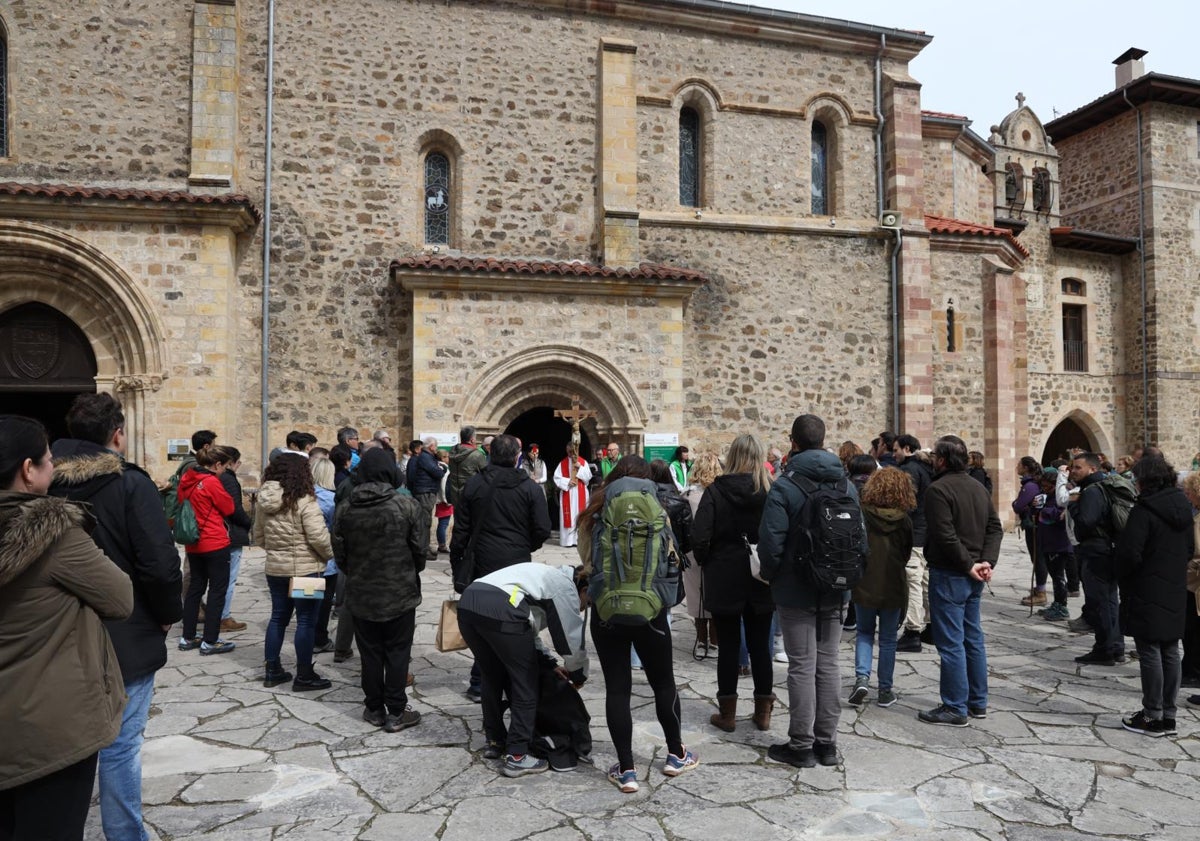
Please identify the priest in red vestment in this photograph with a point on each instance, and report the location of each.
(573, 496)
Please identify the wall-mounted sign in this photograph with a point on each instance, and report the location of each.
(178, 448)
(446, 440)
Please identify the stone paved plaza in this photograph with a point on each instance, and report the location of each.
(226, 758)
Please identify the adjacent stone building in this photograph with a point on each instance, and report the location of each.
(688, 219)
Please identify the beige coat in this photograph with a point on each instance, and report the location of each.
(1193, 570)
(61, 692)
(296, 541)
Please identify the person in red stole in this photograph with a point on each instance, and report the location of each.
(571, 478)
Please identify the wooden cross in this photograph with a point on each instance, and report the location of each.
(573, 418)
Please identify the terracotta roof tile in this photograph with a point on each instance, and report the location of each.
(944, 225)
(70, 191)
(645, 271)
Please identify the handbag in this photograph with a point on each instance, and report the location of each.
(755, 563)
(306, 588)
(449, 638)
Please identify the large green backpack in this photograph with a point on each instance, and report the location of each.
(635, 570)
(1120, 495)
(170, 495)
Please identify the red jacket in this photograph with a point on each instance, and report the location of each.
(211, 504)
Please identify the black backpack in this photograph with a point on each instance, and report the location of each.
(830, 535)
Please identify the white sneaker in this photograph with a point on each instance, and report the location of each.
(781, 656)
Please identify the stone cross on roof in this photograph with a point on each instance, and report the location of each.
(1020, 100)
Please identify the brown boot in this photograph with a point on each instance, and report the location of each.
(725, 720)
(763, 704)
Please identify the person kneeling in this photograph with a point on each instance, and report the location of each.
(500, 616)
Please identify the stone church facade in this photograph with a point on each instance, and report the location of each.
(694, 218)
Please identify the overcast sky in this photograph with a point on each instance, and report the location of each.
(1059, 54)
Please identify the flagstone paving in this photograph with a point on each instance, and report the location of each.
(226, 758)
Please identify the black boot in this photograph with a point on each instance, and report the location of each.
(275, 674)
(307, 680)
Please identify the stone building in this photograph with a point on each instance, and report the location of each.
(690, 218)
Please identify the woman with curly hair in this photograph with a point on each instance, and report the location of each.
(882, 593)
(847, 451)
(289, 525)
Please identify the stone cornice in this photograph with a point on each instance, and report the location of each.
(807, 226)
(439, 280)
(761, 24)
(994, 247)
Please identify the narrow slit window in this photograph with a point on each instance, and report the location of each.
(437, 199)
(689, 157)
(820, 170)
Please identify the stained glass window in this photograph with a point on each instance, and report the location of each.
(820, 170)
(689, 157)
(3, 97)
(437, 199)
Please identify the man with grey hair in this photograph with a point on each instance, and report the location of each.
(424, 475)
(962, 545)
(347, 444)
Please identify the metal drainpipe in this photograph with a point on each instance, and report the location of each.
(1142, 260)
(894, 262)
(266, 256)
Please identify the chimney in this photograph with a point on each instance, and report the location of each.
(1129, 66)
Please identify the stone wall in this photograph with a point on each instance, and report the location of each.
(955, 185)
(959, 383)
(1098, 176)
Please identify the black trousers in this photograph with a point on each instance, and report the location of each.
(50, 808)
(209, 571)
(1056, 564)
(1191, 641)
(758, 646)
(653, 645)
(386, 650)
(508, 663)
(331, 585)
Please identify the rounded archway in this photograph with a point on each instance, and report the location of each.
(45, 361)
(1077, 430)
(46, 266)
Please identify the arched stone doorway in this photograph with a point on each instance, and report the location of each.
(1076, 430)
(45, 266)
(45, 361)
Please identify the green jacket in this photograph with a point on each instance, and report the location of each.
(884, 585)
(379, 540)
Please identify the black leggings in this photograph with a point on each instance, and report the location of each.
(653, 645)
(758, 646)
(50, 808)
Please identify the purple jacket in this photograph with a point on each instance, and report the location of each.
(1052, 528)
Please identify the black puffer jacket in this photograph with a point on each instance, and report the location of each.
(729, 509)
(679, 510)
(239, 521)
(500, 519)
(379, 542)
(132, 531)
(1152, 558)
(921, 473)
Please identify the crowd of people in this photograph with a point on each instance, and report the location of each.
(895, 544)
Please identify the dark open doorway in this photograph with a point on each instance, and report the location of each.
(1067, 435)
(45, 361)
(551, 434)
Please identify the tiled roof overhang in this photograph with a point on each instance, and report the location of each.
(959, 228)
(1094, 241)
(1153, 87)
(48, 200)
(481, 274)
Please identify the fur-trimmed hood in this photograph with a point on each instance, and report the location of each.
(80, 467)
(30, 524)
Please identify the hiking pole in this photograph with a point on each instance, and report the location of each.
(1033, 569)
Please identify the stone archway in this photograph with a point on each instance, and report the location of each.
(39, 264)
(554, 375)
(1075, 429)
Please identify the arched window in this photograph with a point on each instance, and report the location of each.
(3, 91)
(1042, 195)
(689, 157)
(1014, 185)
(820, 169)
(437, 199)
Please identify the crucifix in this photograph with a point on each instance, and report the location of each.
(573, 417)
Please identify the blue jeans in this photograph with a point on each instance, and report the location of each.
(442, 528)
(235, 564)
(888, 621)
(958, 635)
(121, 767)
(282, 607)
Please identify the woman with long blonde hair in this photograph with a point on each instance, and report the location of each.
(705, 471)
(725, 527)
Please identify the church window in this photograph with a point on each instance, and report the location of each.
(950, 344)
(1074, 332)
(689, 157)
(437, 199)
(820, 170)
(1074, 286)
(3, 92)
